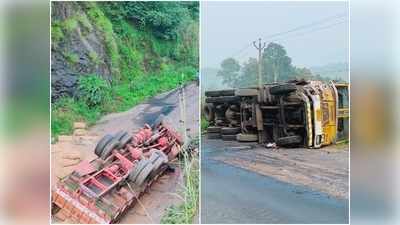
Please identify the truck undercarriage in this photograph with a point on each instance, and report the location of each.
(294, 113)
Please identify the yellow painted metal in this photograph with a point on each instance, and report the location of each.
(328, 107)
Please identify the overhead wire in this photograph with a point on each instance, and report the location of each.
(238, 53)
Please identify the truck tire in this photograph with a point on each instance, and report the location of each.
(219, 93)
(246, 92)
(223, 99)
(124, 140)
(158, 161)
(120, 134)
(289, 140)
(282, 89)
(209, 112)
(144, 174)
(213, 129)
(230, 130)
(109, 148)
(229, 137)
(213, 135)
(138, 168)
(246, 137)
(102, 143)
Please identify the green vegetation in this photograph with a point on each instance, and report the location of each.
(277, 66)
(94, 57)
(185, 212)
(71, 57)
(68, 110)
(84, 21)
(102, 23)
(93, 90)
(147, 50)
(70, 24)
(97, 98)
(204, 124)
(57, 33)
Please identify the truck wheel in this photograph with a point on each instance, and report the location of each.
(144, 174)
(138, 168)
(219, 93)
(213, 135)
(282, 89)
(120, 134)
(158, 161)
(246, 92)
(229, 137)
(246, 137)
(230, 130)
(124, 140)
(102, 143)
(109, 148)
(209, 112)
(223, 99)
(213, 129)
(289, 140)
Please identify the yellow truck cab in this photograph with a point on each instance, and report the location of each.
(330, 112)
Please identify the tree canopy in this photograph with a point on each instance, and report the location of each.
(276, 66)
(229, 71)
(162, 18)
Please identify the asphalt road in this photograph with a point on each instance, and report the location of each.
(234, 195)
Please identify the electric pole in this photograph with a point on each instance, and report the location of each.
(259, 119)
(260, 47)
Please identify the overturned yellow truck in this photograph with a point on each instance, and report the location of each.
(306, 113)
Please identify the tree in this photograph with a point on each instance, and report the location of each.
(229, 71)
(162, 18)
(304, 73)
(249, 74)
(277, 66)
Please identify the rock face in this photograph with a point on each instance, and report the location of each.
(80, 50)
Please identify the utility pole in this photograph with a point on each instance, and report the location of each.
(259, 119)
(260, 47)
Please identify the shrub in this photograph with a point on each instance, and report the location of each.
(93, 90)
(67, 110)
(56, 33)
(71, 57)
(70, 24)
(94, 57)
(162, 18)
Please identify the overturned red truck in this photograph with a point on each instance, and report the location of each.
(101, 190)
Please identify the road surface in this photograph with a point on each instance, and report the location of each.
(231, 194)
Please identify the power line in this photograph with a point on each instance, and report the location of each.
(310, 31)
(297, 35)
(309, 25)
(337, 16)
(237, 53)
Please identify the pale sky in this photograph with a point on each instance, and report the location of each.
(226, 28)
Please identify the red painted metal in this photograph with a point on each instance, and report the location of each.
(97, 191)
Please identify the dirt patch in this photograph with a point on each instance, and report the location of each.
(164, 192)
(325, 169)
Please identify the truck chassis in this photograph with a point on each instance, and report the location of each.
(294, 113)
(100, 191)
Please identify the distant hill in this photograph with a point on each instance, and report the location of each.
(210, 80)
(333, 71)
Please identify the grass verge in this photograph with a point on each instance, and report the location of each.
(122, 96)
(185, 212)
(204, 124)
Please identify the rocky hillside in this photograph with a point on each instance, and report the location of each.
(109, 56)
(109, 40)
